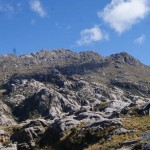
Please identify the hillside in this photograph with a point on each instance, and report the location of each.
(64, 100)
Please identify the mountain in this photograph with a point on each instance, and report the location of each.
(64, 100)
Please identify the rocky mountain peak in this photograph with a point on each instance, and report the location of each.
(91, 55)
(61, 99)
(124, 57)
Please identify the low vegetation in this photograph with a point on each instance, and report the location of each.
(140, 124)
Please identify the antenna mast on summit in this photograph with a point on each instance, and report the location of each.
(14, 51)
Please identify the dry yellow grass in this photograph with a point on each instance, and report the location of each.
(141, 124)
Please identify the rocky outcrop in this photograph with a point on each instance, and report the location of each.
(6, 117)
(61, 126)
(89, 116)
(129, 85)
(124, 57)
(29, 132)
(90, 134)
(9, 147)
(100, 125)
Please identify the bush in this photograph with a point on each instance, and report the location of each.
(74, 130)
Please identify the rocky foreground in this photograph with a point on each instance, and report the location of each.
(63, 100)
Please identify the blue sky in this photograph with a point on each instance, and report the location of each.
(104, 26)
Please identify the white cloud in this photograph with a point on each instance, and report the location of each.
(121, 15)
(94, 34)
(6, 8)
(37, 7)
(19, 7)
(140, 40)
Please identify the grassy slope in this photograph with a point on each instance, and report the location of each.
(141, 124)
